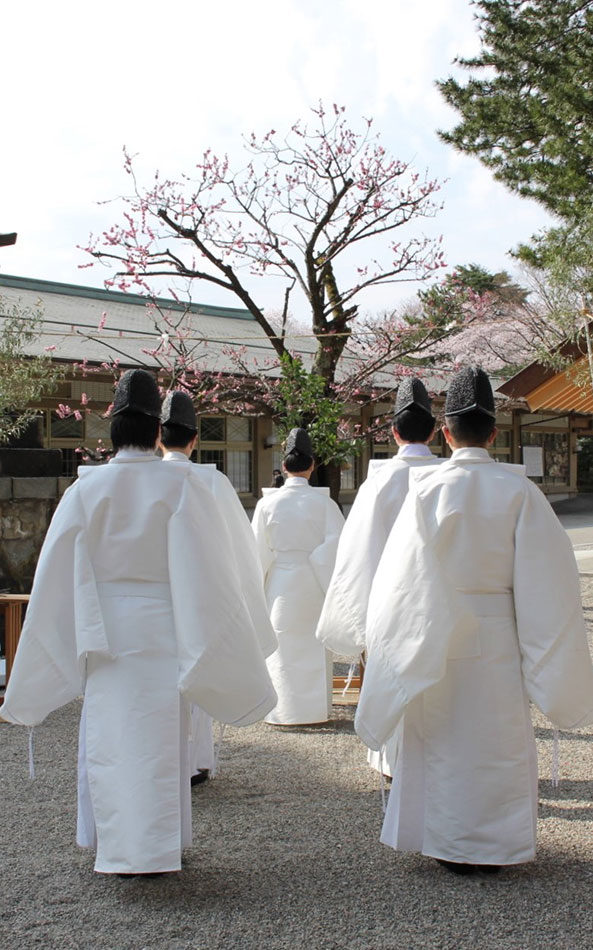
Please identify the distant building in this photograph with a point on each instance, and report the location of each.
(557, 431)
(245, 448)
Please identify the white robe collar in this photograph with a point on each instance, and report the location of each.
(414, 450)
(292, 481)
(134, 455)
(175, 457)
(471, 454)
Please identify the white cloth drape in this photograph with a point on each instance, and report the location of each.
(135, 590)
(475, 608)
(342, 625)
(246, 566)
(297, 529)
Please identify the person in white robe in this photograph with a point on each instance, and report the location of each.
(475, 610)
(136, 604)
(342, 625)
(297, 528)
(179, 433)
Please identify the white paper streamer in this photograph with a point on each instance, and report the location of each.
(31, 761)
(349, 678)
(382, 775)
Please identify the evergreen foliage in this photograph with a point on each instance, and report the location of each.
(527, 107)
(23, 380)
(564, 258)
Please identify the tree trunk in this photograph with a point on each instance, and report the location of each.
(328, 476)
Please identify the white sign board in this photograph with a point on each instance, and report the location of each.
(533, 460)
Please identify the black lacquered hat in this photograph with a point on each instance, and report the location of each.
(470, 391)
(178, 409)
(137, 391)
(412, 394)
(298, 440)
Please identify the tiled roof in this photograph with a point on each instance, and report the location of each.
(72, 314)
(71, 317)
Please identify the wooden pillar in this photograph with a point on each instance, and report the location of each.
(516, 438)
(12, 608)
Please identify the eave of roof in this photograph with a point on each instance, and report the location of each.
(553, 390)
(526, 380)
(117, 296)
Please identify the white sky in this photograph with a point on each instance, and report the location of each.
(171, 79)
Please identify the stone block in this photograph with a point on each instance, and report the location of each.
(34, 487)
(64, 482)
(28, 463)
(5, 489)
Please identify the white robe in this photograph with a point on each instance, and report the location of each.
(247, 566)
(133, 602)
(201, 744)
(475, 609)
(342, 625)
(297, 528)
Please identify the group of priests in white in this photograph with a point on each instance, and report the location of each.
(147, 591)
(152, 588)
(461, 585)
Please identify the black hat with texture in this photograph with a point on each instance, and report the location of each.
(137, 391)
(178, 409)
(298, 440)
(412, 394)
(470, 391)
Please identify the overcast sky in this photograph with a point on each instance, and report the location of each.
(170, 79)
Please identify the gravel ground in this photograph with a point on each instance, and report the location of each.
(286, 855)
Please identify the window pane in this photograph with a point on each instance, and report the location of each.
(213, 457)
(96, 391)
(212, 429)
(238, 429)
(501, 447)
(555, 448)
(348, 480)
(69, 428)
(71, 459)
(239, 470)
(97, 428)
(503, 439)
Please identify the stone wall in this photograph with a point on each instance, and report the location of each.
(26, 509)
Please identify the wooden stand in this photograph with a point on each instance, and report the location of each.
(339, 684)
(12, 607)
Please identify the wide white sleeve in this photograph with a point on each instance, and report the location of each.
(342, 625)
(323, 558)
(222, 668)
(247, 561)
(415, 618)
(556, 662)
(46, 673)
(260, 533)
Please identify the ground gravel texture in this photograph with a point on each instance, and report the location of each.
(286, 855)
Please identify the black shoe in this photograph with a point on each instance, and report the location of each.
(141, 873)
(456, 868)
(202, 775)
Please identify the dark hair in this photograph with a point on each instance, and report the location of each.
(471, 427)
(297, 462)
(174, 436)
(134, 429)
(413, 425)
